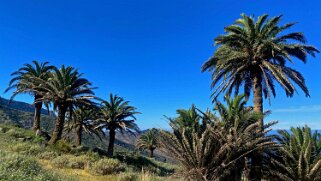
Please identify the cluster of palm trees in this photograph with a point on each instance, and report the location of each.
(233, 145)
(252, 55)
(222, 147)
(72, 97)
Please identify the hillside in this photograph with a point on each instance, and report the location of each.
(24, 156)
(21, 114)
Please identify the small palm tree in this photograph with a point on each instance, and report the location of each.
(81, 120)
(235, 113)
(149, 141)
(214, 153)
(65, 89)
(20, 82)
(192, 118)
(116, 114)
(299, 156)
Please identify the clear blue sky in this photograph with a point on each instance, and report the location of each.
(150, 52)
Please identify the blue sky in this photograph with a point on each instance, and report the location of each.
(150, 52)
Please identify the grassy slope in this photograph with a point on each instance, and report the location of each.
(33, 147)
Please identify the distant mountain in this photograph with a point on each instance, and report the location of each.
(21, 106)
(21, 113)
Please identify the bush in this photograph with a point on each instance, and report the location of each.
(93, 156)
(61, 146)
(14, 167)
(27, 149)
(128, 176)
(35, 150)
(48, 155)
(74, 162)
(3, 129)
(20, 147)
(20, 133)
(80, 162)
(61, 161)
(106, 166)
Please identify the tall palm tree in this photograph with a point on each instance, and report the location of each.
(116, 114)
(253, 55)
(83, 119)
(149, 141)
(20, 83)
(65, 89)
(299, 156)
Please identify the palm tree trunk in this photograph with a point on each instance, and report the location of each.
(112, 135)
(255, 172)
(78, 135)
(258, 96)
(151, 153)
(59, 125)
(36, 119)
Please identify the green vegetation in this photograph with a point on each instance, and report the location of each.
(215, 149)
(301, 158)
(27, 155)
(116, 114)
(253, 54)
(230, 143)
(149, 141)
(22, 84)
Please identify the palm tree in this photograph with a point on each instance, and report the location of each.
(65, 89)
(149, 141)
(116, 114)
(83, 119)
(21, 85)
(254, 55)
(299, 156)
(186, 118)
(214, 153)
(235, 113)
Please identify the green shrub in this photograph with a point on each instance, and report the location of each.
(61, 146)
(93, 156)
(14, 167)
(48, 155)
(80, 162)
(14, 133)
(61, 161)
(20, 133)
(20, 147)
(27, 149)
(3, 129)
(106, 166)
(39, 140)
(79, 150)
(128, 176)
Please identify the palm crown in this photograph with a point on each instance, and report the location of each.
(28, 71)
(250, 49)
(65, 89)
(299, 155)
(117, 114)
(23, 82)
(149, 141)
